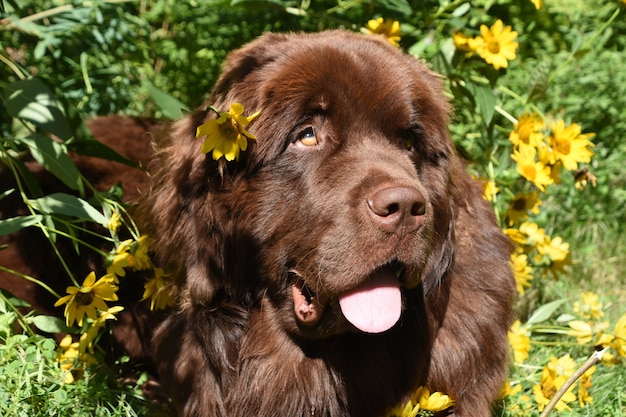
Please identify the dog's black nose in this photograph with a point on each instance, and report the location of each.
(397, 208)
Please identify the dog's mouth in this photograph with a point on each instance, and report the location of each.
(373, 306)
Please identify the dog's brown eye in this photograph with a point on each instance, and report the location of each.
(307, 137)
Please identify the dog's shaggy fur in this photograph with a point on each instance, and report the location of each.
(344, 260)
(265, 253)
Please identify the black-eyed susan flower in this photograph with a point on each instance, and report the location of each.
(583, 387)
(226, 136)
(115, 221)
(88, 337)
(537, 3)
(569, 145)
(87, 299)
(496, 45)
(387, 27)
(423, 403)
(160, 291)
(553, 377)
(71, 361)
(520, 206)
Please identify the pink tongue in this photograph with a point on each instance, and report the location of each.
(375, 306)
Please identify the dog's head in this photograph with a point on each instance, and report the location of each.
(341, 202)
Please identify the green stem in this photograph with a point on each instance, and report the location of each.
(20, 317)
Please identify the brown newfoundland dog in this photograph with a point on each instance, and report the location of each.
(344, 259)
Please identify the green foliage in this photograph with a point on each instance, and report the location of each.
(32, 382)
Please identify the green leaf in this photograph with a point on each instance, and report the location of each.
(33, 101)
(539, 80)
(53, 157)
(50, 324)
(69, 205)
(99, 150)
(170, 106)
(6, 193)
(13, 224)
(485, 99)
(544, 312)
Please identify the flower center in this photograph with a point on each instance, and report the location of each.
(229, 130)
(563, 147)
(493, 46)
(519, 204)
(84, 298)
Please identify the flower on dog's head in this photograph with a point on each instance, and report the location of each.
(226, 136)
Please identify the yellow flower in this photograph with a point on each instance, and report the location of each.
(507, 391)
(583, 387)
(521, 271)
(519, 341)
(71, 360)
(538, 3)
(591, 307)
(527, 167)
(490, 189)
(569, 146)
(619, 343)
(553, 376)
(88, 298)
(115, 221)
(226, 136)
(536, 236)
(528, 131)
(581, 330)
(433, 402)
(160, 292)
(422, 400)
(462, 42)
(388, 27)
(133, 254)
(517, 237)
(557, 251)
(87, 338)
(497, 45)
(521, 204)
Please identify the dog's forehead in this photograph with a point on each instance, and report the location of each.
(364, 75)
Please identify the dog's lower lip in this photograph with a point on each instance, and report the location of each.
(307, 307)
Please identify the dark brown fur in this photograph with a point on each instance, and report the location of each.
(237, 241)
(235, 348)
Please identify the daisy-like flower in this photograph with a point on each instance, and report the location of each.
(590, 307)
(528, 131)
(619, 342)
(535, 235)
(434, 402)
(537, 3)
(569, 145)
(520, 206)
(583, 387)
(529, 168)
(71, 360)
(496, 45)
(87, 338)
(160, 292)
(553, 377)
(115, 221)
(132, 254)
(521, 271)
(423, 400)
(462, 42)
(581, 330)
(557, 251)
(87, 299)
(518, 238)
(226, 136)
(388, 27)
(519, 341)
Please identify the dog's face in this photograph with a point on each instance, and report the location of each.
(340, 203)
